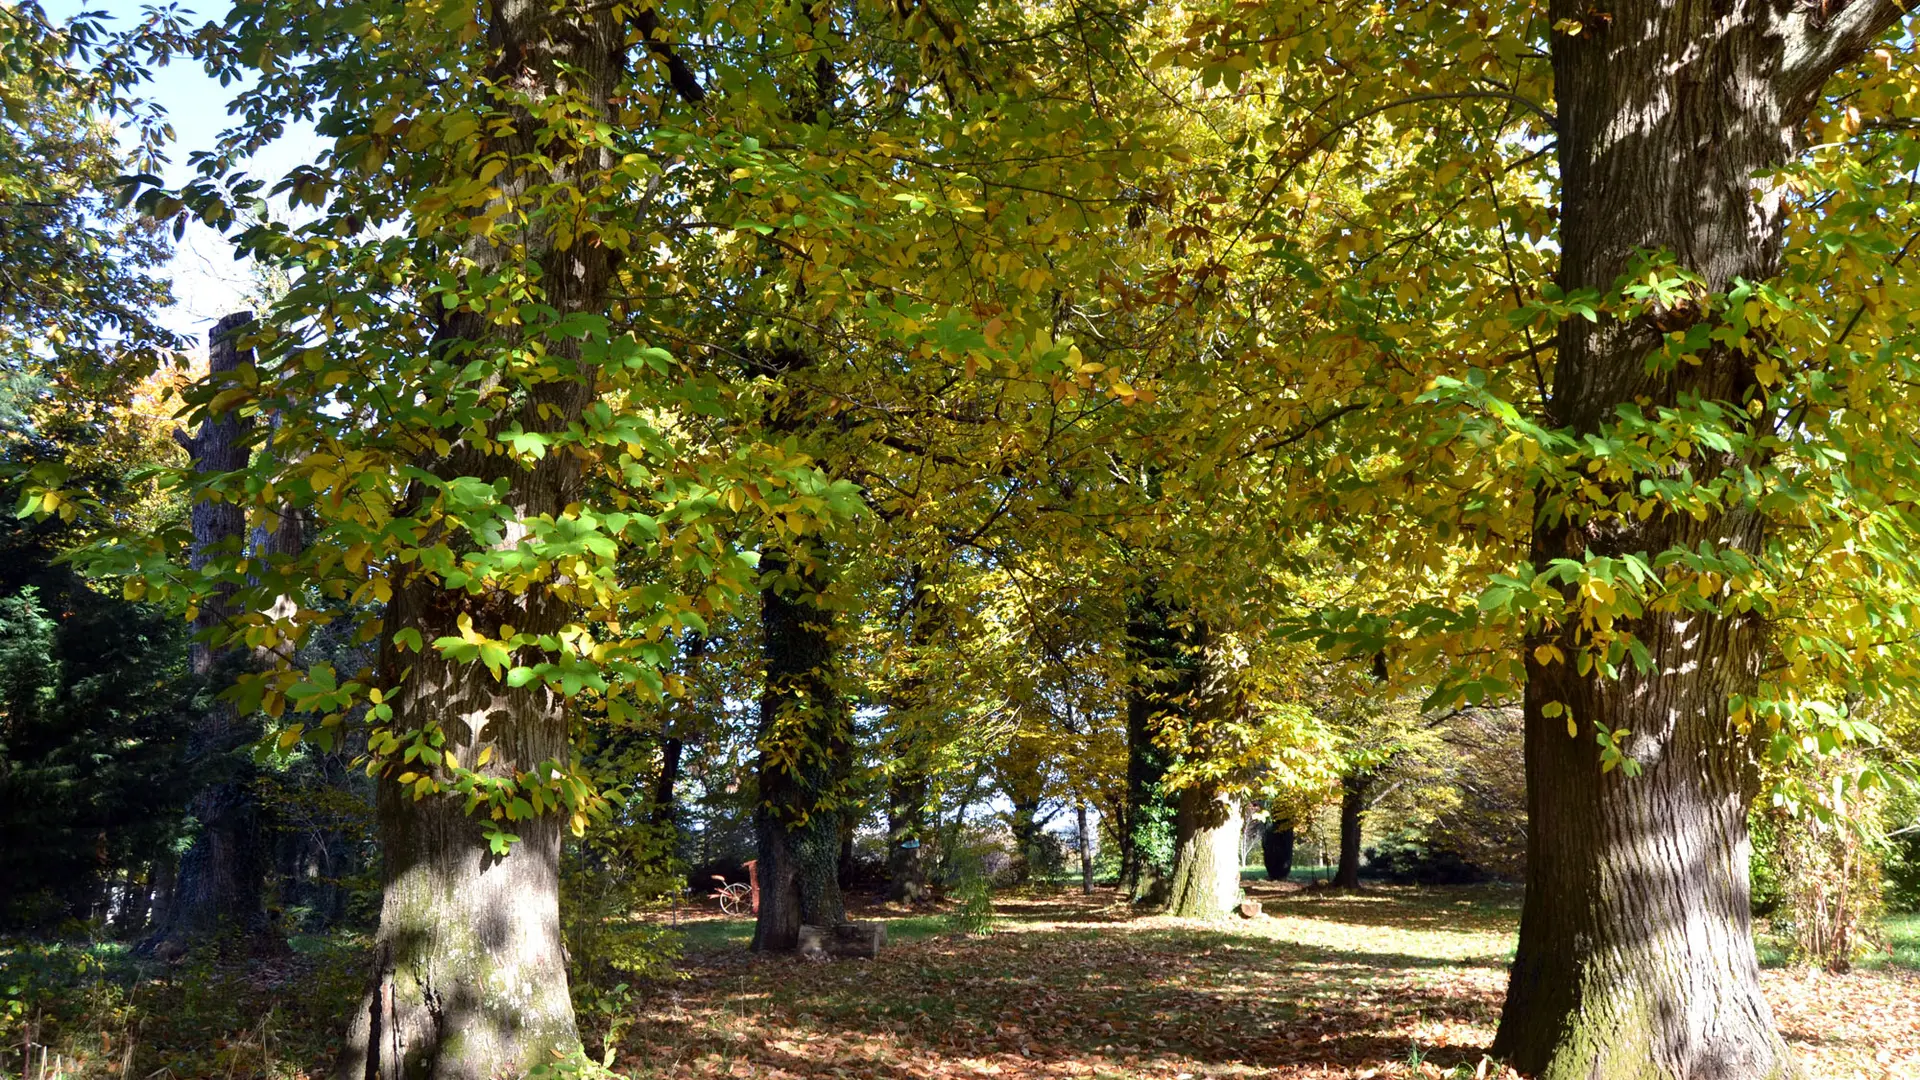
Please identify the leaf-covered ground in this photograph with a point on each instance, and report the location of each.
(1392, 982)
(1388, 983)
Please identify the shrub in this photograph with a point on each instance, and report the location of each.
(1901, 870)
(1407, 858)
(1828, 860)
(1764, 869)
(970, 887)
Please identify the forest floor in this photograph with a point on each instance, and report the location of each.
(1389, 982)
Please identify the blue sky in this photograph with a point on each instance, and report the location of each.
(207, 282)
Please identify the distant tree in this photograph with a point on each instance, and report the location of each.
(94, 690)
(79, 294)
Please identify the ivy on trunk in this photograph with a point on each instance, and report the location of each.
(803, 742)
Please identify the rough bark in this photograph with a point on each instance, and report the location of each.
(470, 977)
(1205, 883)
(1635, 958)
(221, 883)
(1354, 789)
(804, 733)
(1276, 848)
(906, 832)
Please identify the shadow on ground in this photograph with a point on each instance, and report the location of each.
(1076, 987)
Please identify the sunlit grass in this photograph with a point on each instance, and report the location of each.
(712, 935)
(1900, 931)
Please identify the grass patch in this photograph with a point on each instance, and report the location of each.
(717, 935)
(1903, 939)
(1901, 932)
(96, 1010)
(1299, 873)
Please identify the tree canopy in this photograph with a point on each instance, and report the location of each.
(1159, 409)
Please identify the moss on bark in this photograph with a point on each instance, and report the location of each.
(1206, 866)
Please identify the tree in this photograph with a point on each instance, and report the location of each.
(221, 883)
(1621, 488)
(1276, 847)
(462, 919)
(1161, 678)
(95, 691)
(1594, 988)
(80, 292)
(438, 439)
(1354, 789)
(911, 693)
(804, 746)
(92, 702)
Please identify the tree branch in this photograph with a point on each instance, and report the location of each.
(1825, 35)
(679, 75)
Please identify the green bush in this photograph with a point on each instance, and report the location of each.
(1764, 869)
(1407, 858)
(104, 1012)
(1902, 873)
(970, 888)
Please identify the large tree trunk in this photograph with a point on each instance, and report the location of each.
(1086, 849)
(1147, 845)
(221, 885)
(1276, 848)
(805, 729)
(1206, 867)
(1024, 824)
(911, 712)
(1353, 811)
(1162, 677)
(1635, 958)
(906, 828)
(470, 977)
(664, 784)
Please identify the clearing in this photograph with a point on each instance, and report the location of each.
(1389, 982)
